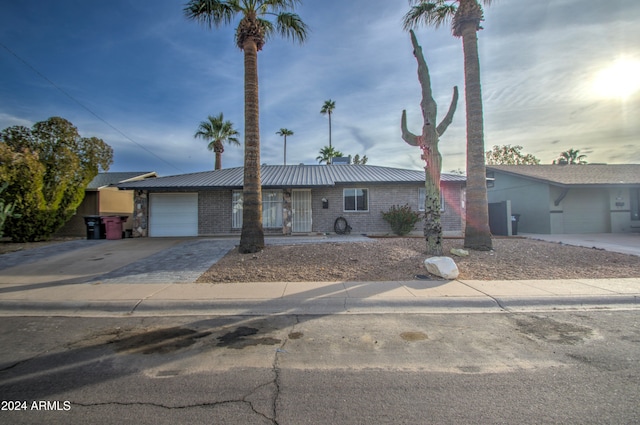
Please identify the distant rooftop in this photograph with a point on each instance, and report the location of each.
(565, 175)
(289, 176)
(112, 179)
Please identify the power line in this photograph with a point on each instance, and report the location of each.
(85, 107)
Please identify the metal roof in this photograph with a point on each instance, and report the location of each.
(570, 175)
(289, 176)
(109, 179)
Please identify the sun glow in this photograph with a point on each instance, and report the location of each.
(619, 80)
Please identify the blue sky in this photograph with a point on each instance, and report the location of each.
(556, 74)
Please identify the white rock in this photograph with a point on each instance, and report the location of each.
(459, 252)
(442, 266)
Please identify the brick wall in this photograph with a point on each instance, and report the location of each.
(454, 213)
(214, 209)
(381, 198)
(214, 212)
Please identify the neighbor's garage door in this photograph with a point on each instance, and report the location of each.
(173, 214)
(587, 211)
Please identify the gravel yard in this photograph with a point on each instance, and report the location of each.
(401, 259)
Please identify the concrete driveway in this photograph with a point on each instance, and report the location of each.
(625, 243)
(143, 260)
(139, 260)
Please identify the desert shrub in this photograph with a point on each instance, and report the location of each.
(402, 219)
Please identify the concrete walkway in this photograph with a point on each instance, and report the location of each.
(155, 277)
(625, 243)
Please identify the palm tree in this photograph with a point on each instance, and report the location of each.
(571, 157)
(217, 131)
(251, 34)
(360, 161)
(326, 154)
(465, 17)
(327, 109)
(285, 132)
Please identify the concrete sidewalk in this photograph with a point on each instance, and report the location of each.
(317, 298)
(155, 277)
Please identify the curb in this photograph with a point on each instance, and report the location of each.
(344, 306)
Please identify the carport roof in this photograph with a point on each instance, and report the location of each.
(576, 175)
(290, 176)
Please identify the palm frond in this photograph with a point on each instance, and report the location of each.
(430, 13)
(267, 28)
(289, 25)
(212, 13)
(216, 129)
(277, 6)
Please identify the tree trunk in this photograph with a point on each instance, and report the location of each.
(329, 129)
(218, 149)
(252, 236)
(329, 160)
(477, 234)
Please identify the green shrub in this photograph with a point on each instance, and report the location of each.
(401, 218)
(47, 168)
(6, 209)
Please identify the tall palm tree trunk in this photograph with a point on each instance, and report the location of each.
(285, 149)
(218, 150)
(329, 129)
(252, 236)
(477, 232)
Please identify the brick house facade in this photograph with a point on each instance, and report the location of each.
(327, 190)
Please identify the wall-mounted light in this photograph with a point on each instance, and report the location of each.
(325, 203)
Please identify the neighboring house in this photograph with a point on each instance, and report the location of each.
(102, 197)
(295, 199)
(556, 199)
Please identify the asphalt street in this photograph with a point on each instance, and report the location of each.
(580, 367)
(117, 332)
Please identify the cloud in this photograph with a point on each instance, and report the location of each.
(8, 120)
(154, 75)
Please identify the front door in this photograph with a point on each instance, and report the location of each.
(301, 211)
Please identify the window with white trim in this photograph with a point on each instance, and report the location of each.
(271, 209)
(422, 197)
(356, 199)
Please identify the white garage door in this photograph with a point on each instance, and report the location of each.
(173, 214)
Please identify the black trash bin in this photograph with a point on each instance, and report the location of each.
(95, 228)
(515, 219)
